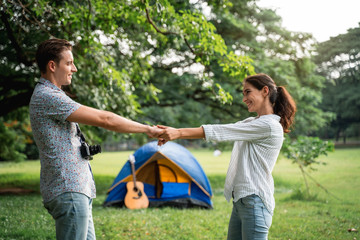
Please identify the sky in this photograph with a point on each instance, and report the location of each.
(322, 18)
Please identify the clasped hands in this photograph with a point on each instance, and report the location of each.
(163, 133)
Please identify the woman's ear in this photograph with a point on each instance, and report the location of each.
(265, 91)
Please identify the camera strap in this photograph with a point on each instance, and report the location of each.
(83, 140)
(79, 133)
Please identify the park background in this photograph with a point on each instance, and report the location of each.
(181, 63)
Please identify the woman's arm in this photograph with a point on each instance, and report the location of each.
(180, 133)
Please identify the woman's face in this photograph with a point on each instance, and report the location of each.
(255, 99)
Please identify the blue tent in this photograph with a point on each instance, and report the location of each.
(171, 176)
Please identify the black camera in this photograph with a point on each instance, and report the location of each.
(87, 151)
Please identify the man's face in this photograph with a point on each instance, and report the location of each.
(64, 70)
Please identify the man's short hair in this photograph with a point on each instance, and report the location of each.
(50, 50)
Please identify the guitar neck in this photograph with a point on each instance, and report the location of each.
(133, 173)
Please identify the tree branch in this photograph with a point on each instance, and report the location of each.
(12, 103)
(35, 19)
(165, 32)
(313, 179)
(9, 84)
(321, 186)
(19, 52)
(88, 16)
(191, 49)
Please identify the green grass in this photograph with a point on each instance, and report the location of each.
(322, 217)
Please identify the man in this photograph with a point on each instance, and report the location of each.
(66, 181)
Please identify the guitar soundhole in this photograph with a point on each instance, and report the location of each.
(139, 193)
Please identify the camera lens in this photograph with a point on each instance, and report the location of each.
(95, 149)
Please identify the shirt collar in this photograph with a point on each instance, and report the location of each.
(48, 83)
(273, 116)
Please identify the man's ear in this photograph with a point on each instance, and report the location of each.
(51, 66)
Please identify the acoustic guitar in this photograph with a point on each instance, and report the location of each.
(135, 197)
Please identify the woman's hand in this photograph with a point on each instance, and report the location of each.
(176, 133)
(168, 134)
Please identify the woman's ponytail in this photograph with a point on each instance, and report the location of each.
(285, 107)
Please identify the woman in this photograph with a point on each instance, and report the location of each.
(257, 143)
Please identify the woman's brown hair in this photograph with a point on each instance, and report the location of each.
(282, 102)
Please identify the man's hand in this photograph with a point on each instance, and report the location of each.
(155, 132)
(161, 140)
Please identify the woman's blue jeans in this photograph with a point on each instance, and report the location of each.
(73, 216)
(249, 219)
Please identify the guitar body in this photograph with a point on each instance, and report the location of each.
(135, 197)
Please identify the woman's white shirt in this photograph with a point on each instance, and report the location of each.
(257, 144)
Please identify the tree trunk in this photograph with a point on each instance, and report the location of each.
(306, 183)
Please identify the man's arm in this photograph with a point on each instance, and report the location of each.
(111, 121)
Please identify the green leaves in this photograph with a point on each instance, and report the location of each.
(305, 150)
(12, 140)
(200, 37)
(338, 61)
(223, 96)
(237, 66)
(135, 57)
